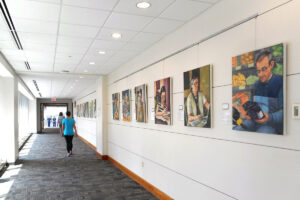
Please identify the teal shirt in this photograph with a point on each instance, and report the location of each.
(68, 122)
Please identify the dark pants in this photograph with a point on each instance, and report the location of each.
(69, 139)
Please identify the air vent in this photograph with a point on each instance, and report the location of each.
(65, 71)
(27, 65)
(10, 24)
(37, 87)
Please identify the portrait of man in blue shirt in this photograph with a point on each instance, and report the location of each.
(267, 96)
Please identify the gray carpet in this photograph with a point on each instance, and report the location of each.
(46, 173)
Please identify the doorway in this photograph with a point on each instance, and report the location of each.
(49, 116)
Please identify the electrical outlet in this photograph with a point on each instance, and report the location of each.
(296, 111)
(142, 164)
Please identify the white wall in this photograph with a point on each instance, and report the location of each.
(32, 116)
(216, 163)
(86, 127)
(93, 130)
(9, 119)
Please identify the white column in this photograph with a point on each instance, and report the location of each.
(9, 119)
(101, 141)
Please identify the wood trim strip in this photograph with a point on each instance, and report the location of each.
(148, 186)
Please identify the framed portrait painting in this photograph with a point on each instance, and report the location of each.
(197, 97)
(162, 101)
(258, 82)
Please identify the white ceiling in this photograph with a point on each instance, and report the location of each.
(67, 34)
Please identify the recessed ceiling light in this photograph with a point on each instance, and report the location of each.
(143, 4)
(80, 76)
(92, 63)
(116, 35)
(85, 70)
(102, 52)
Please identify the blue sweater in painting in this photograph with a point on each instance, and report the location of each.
(272, 89)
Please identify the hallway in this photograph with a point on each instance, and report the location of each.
(44, 172)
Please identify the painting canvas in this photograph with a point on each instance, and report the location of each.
(126, 105)
(141, 103)
(95, 108)
(162, 101)
(91, 110)
(116, 106)
(197, 97)
(258, 90)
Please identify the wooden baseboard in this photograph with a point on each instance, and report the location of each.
(102, 157)
(156, 192)
(148, 186)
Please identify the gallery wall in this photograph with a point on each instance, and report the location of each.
(212, 163)
(86, 126)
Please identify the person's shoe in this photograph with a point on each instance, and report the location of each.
(71, 152)
(69, 155)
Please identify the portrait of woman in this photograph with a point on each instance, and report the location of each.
(197, 97)
(126, 105)
(141, 103)
(116, 106)
(162, 102)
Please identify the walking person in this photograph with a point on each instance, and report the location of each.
(59, 121)
(68, 125)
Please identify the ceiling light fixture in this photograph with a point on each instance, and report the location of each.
(116, 35)
(92, 63)
(80, 76)
(85, 70)
(102, 52)
(143, 5)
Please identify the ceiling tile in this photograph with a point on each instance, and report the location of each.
(162, 26)
(132, 46)
(38, 47)
(67, 58)
(106, 34)
(59, 67)
(78, 30)
(83, 16)
(36, 56)
(48, 1)
(41, 66)
(175, 11)
(148, 38)
(74, 41)
(34, 26)
(8, 45)
(110, 45)
(129, 6)
(95, 52)
(5, 35)
(58, 86)
(33, 10)
(18, 65)
(126, 21)
(11, 55)
(71, 49)
(207, 1)
(37, 38)
(95, 4)
(3, 24)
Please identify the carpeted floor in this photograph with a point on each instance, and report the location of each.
(44, 172)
